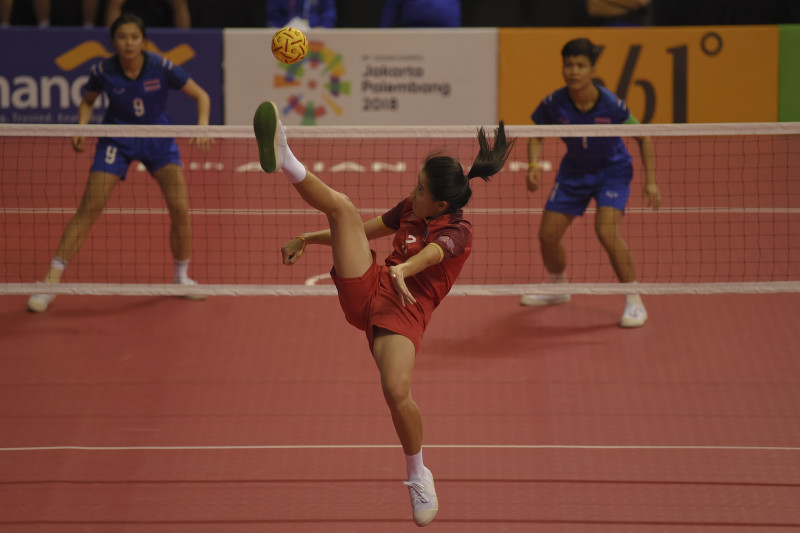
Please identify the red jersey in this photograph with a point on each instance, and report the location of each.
(370, 301)
(450, 232)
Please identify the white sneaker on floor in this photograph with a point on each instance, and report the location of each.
(535, 300)
(38, 303)
(635, 316)
(192, 296)
(423, 498)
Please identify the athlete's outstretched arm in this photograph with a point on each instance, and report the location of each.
(534, 176)
(428, 256)
(194, 91)
(293, 249)
(84, 117)
(651, 191)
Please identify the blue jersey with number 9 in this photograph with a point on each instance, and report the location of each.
(139, 101)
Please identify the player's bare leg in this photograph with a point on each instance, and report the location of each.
(607, 224)
(176, 195)
(173, 185)
(95, 197)
(98, 189)
(395, 354)
(350, 247)
(554, 255)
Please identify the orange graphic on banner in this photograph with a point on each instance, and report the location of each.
(90, 50)
(690, 74)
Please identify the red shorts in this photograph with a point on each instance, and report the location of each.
(370, 301)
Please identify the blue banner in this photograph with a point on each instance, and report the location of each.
(43, 71)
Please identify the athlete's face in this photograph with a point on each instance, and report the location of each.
(129, 40)
(578, 72)
(422, 201)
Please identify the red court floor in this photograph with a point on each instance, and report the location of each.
(156, 414)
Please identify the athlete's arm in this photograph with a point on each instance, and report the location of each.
(430, 255)
(194, 91)
(84, 117)
(534, 176)
(648, 152)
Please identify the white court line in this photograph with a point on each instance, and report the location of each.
(382, 446)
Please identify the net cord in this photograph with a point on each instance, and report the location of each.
(404, 132)
(462, 290)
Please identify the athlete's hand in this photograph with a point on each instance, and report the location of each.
(202, 143)
(534, 178)
(396, 272)
(79, 144)
(652, 195)
(292, 250)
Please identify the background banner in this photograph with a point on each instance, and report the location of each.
(790, 74)
(683, 74)
(43, 71)
(358, 77)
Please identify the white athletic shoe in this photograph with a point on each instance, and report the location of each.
(535, 300)
(191, 296)
(423, 498)
(38, 303)
(270, 137)
(635, 316)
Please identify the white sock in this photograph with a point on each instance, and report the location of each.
(414, 466)
(292, 167)
(57, 266)
(633, 299)
(58, 263)
(561, 277)
(181, 269)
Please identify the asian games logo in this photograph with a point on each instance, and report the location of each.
(315, 84)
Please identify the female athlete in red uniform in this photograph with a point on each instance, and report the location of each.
(392, 303)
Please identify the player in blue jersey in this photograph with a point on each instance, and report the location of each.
(136, 83)
(596, 167)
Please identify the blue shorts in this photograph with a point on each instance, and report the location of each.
(609, 187)
(114, 155)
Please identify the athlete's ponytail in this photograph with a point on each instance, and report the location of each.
(446, 179)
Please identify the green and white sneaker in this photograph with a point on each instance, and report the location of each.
(270, 137)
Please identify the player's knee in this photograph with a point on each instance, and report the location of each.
(179, 211)
(89, 212)
(342, 206)
(548, 236)
(396, 390)
(607, 233)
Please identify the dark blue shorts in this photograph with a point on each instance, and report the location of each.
(572, 192)
(114, 155)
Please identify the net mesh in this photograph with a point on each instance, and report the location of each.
(729, 221)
